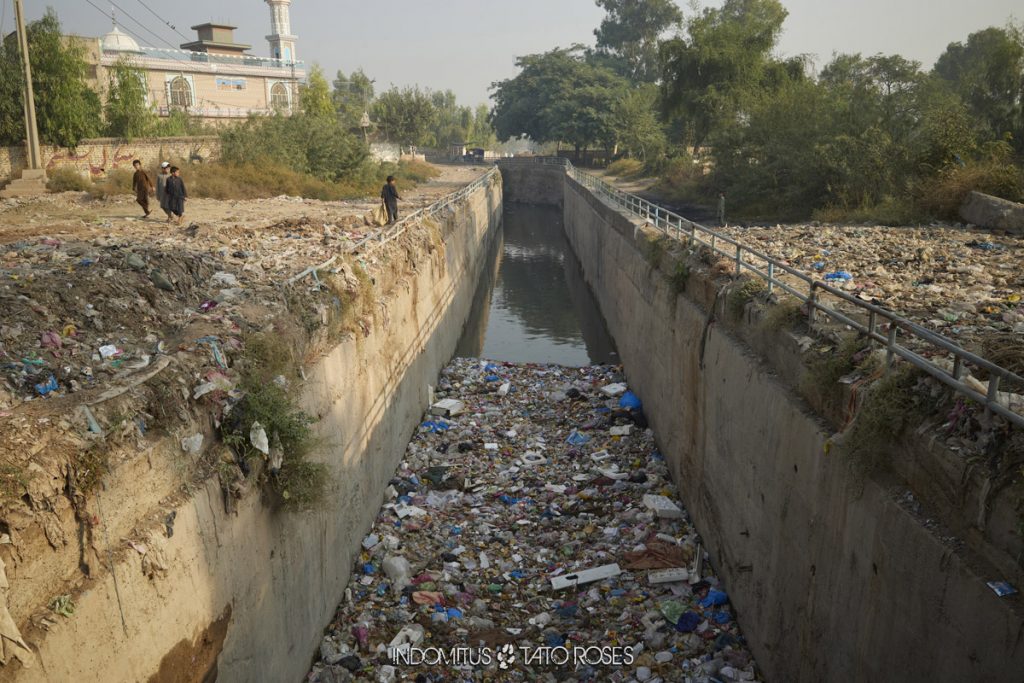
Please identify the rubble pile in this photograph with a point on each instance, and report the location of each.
(533, 524)
(90, 295)
(965, 284)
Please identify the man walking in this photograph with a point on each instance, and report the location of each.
(389, 193)
(142, 186)
(176, 194)
(161, 187)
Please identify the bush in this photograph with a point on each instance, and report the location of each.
(315, 145)
(941, 196)
(255, 180)
(626, 168)
(682, 179)
(68, 179)
(117, 181)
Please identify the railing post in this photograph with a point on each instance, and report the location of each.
(958, 367)
(812, 303)
(713, 249)
(993, 388)
(890, 347)
(872, 319)
(771, 278)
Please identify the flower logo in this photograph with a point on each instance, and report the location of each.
(506, 656)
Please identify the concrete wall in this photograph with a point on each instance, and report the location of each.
(993, 213)
(254, 590)
(832, 578)
(532, 183)
(95, 157)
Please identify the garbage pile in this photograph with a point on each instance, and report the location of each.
(532, 533)
(965, 284)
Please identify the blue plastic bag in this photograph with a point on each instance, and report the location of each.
(630, 401)
(714, 599)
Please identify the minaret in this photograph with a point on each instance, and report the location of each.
(282, 42)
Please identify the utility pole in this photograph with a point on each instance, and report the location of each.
(33, 178)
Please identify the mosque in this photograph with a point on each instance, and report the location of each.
(213, 77)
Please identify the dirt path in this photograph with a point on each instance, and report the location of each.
(75, 215)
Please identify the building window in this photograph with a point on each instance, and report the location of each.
(230, 84)
(280, 98)
(180, 92)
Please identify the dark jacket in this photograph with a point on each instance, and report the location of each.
(175, 191)
(389, 193)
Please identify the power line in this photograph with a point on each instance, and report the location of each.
(222, 70)
(146, 28)
(169, 24)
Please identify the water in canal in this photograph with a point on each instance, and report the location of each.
(532, 304)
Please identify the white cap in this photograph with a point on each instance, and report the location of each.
(164, 164)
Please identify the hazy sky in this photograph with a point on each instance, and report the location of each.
(466, 44)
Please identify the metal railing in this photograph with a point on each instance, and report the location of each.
(881, 326)
(388, 233)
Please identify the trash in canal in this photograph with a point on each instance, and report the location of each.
(527, 540)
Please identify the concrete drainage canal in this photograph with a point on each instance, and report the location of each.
(532, 530)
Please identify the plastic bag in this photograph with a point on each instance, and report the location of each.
(380, 215)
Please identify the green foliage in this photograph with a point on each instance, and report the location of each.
(639, 132)
(352, 96)
(126, 111)
(180, 123)
(740, 296)
(405, 116)
(629, 35)
(316, 145)
(68, 179)
(679, 277)
(625, 168)
(725, 59)
(67, 111)
(987, 72)
(315, 96)
(558, 97)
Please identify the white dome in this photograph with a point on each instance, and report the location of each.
(117, 41)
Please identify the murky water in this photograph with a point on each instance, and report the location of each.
(532, 305)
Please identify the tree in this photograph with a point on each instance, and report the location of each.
(67, 110)
(126, 111)
(352, 95)
(452, 122)
(315, 95)
(558, 97)
(481, 132)
(405, 116)
(988, 73)
(708, 75)
(637, 127)
(629, 35)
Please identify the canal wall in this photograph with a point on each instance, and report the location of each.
(245, 595)
(835, 576)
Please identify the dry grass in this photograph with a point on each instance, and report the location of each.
(1007, 350)
(943, 195)
(225, 180)
(117, 181)
(626, 168)
(68, 179)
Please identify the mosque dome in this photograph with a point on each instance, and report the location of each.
(118, 41)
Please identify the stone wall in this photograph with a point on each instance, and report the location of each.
(834, 577)
(96, 157)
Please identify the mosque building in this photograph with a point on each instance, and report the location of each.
(213, 77)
